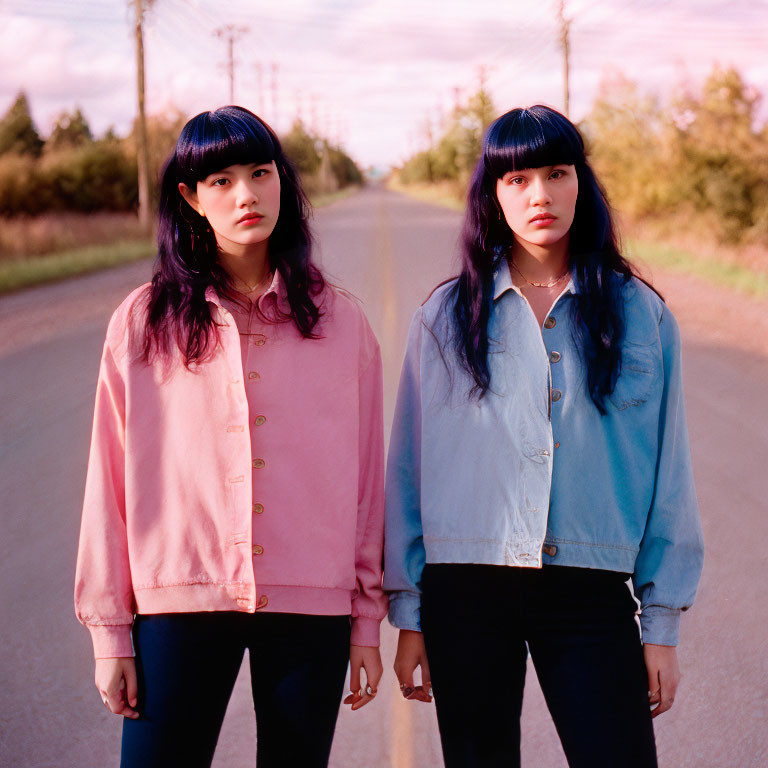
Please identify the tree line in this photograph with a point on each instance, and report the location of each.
(699, 160)
(71, 170)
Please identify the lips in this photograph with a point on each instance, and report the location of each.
(250, 218)
(544, 218)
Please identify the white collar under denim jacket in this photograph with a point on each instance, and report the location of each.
(532, 473)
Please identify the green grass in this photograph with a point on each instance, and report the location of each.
(24, 273)
(721, 273)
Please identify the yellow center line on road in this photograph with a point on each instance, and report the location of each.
(387, 286)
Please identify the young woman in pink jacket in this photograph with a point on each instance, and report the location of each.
(234, 496)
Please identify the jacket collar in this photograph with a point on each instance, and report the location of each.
(276, 289)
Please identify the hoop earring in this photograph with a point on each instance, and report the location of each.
(191, 225)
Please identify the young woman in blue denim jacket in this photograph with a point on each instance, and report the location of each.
(540, 426)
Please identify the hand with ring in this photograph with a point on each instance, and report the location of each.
(411, 654)
(363, 657)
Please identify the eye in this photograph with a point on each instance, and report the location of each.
(557, 174)
(516, 180)
(220, 182)
(259, 172)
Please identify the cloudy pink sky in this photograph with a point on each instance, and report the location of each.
(368, 72)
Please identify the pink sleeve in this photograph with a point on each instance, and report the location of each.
(103, 591)
(369, 606)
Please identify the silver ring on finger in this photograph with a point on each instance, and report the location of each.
(370, 691)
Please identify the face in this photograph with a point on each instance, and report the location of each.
(539, 203)
(241, 203)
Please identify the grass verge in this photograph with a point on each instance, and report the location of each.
(23, 273)
(721, 273)
(16, 274)
(322, 200)
(444, 195)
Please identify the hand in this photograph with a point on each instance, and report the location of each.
(411, 654)
(362, 656)
(116, 681)
(663, 676)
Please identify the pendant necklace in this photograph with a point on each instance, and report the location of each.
(549, 284)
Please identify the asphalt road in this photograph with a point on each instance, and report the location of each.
(389, 251)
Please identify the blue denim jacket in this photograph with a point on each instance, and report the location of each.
(532, 473)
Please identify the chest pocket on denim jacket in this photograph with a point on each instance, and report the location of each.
(638, 370)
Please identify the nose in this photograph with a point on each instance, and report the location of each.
(246, 195)
(539, 192)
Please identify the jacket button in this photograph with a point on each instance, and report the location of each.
(253, 375)
(258, 549)
(550, 322)
(263, 600)
(259, 463)
(258, 508)
(259, 340)
(557, 445)
(554, 357)
(556, 395)
(549, 549)
(259, 420)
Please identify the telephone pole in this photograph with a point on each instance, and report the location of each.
(260, 86)
(142, 150)
(229, 32)
(564, 28)
(275, 69)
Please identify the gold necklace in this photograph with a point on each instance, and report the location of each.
(550, 284)
(252, 288)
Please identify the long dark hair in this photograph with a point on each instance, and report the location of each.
(187, 262)
(532, 138)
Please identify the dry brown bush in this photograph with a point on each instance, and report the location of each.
(27, 236)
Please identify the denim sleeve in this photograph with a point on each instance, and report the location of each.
(404, 546)
(671, 553)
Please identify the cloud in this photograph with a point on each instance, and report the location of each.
(59, 68)
(370, 69)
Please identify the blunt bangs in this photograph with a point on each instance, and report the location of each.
(215, 140)
(531, 138)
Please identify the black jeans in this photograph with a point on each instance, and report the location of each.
(187, 664)
(579, 626)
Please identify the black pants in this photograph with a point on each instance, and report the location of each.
(187, 664)
(579, 626)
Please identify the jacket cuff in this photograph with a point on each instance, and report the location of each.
(405, 611)
(365, 631)
(660, 626)
(111, 640)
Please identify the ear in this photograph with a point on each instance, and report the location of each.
(191, 197)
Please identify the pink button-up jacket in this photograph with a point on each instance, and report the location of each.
(176, 485)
